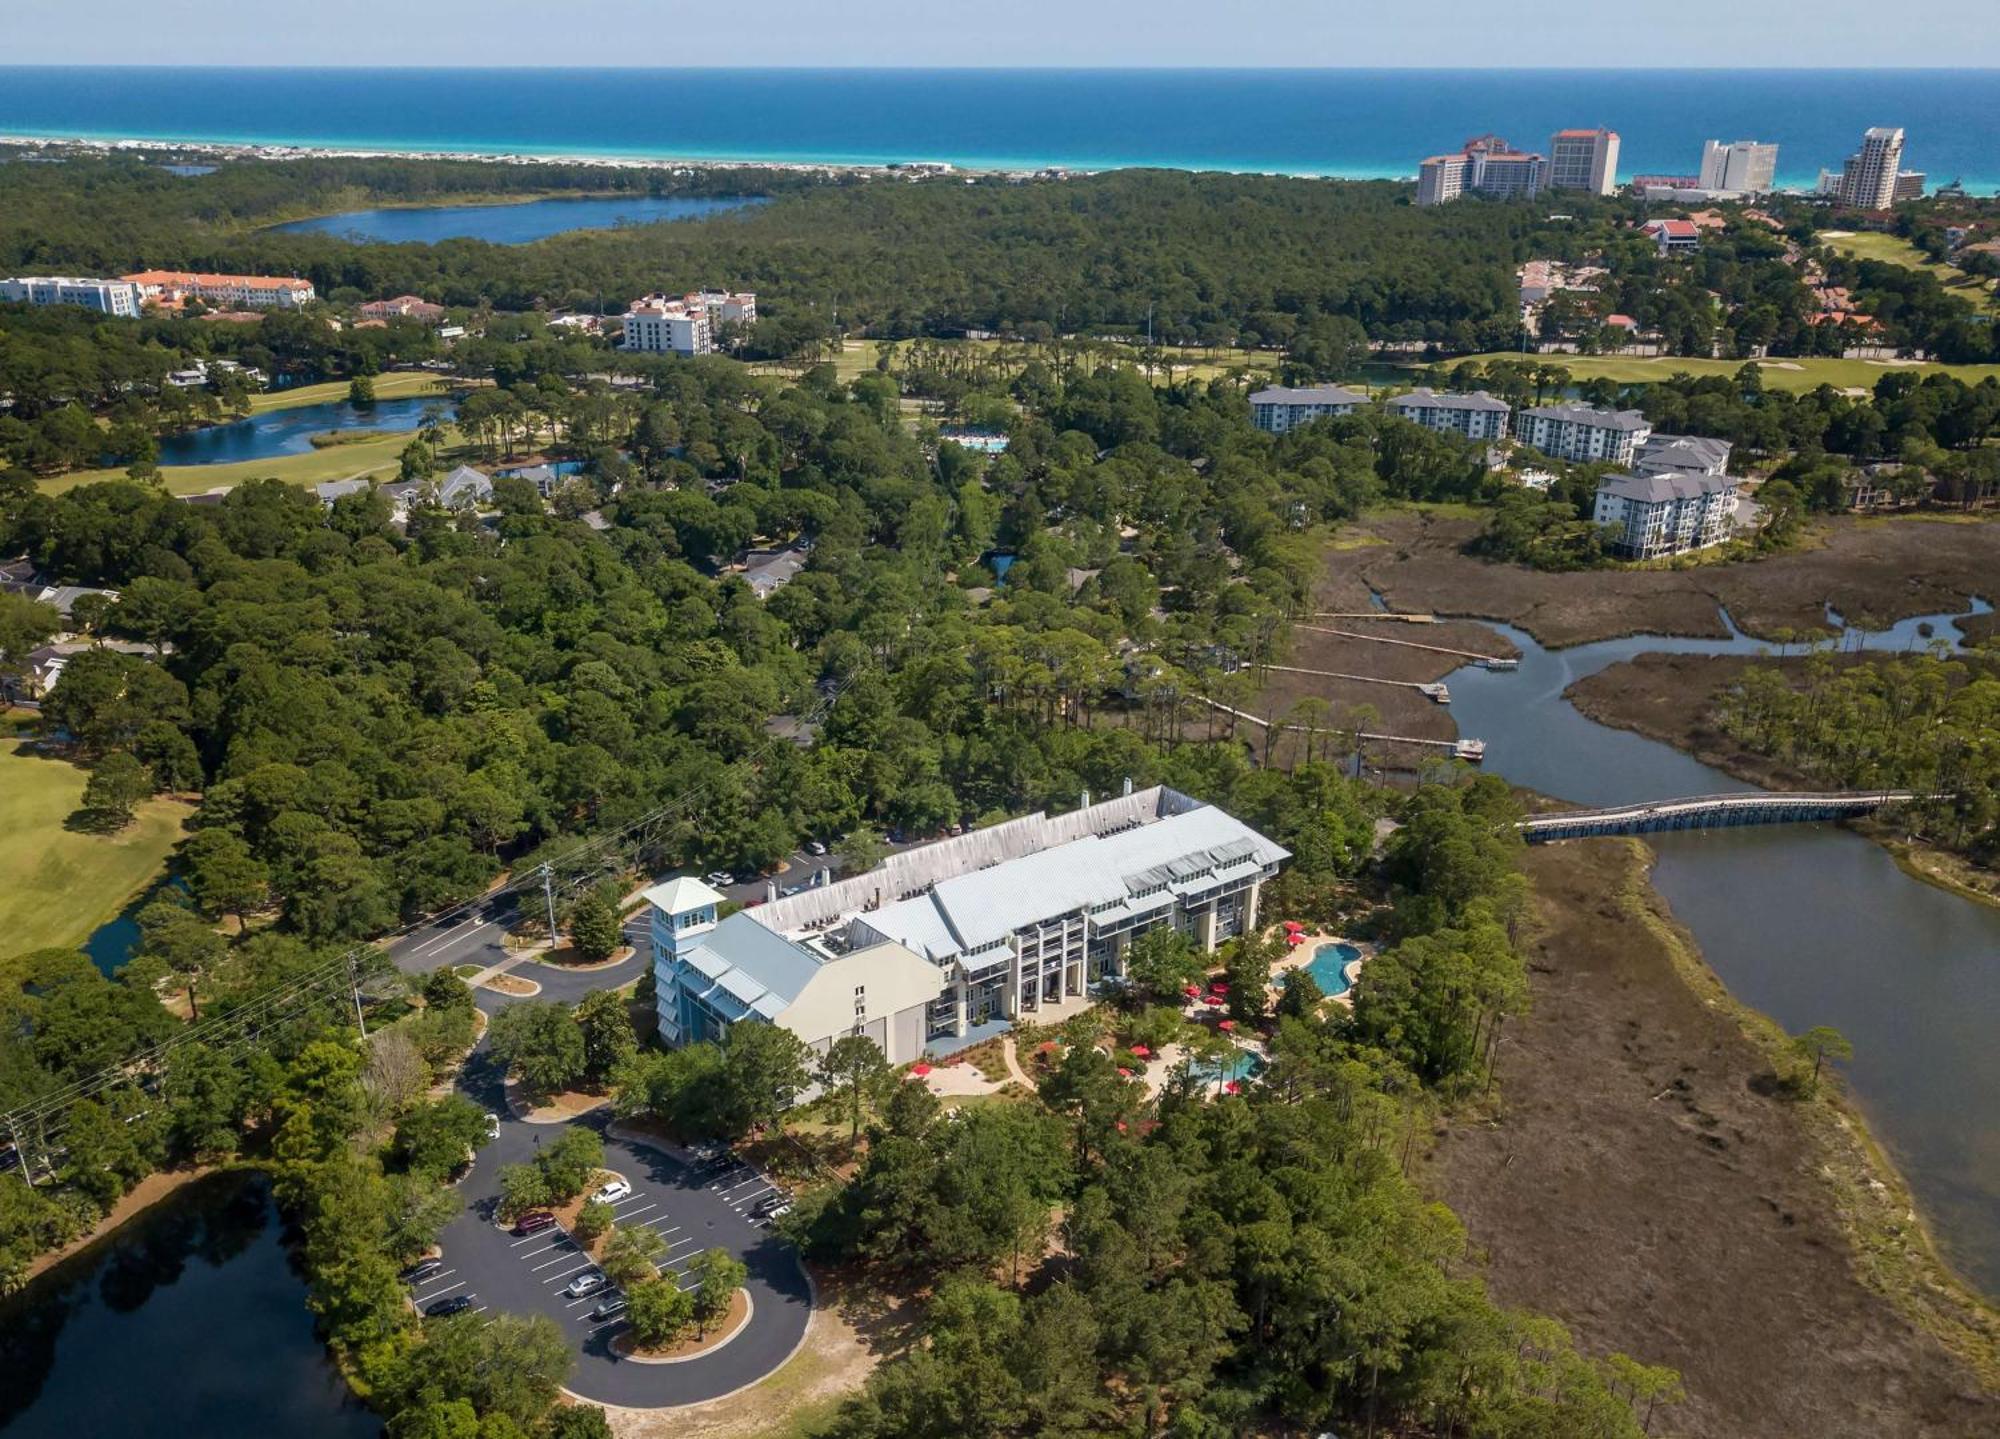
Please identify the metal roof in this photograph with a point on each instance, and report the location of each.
(749, 962)
(1311, 395)
(1589, 415)
(1657, 489)
(1427, 399)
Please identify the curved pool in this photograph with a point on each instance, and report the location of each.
(1328, 966)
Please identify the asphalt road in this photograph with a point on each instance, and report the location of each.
(691, 1209)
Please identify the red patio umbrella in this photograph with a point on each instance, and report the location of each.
(1123, 1072)
(1218, 988)
(1142, 1051)
(1232, 1087)
(1226, 1025)
(1292, 926)
(1191, 990)
(919, 1070)
(1214, 1001)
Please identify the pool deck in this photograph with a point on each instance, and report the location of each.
(1303, 952)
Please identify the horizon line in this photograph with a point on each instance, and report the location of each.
(956, 67)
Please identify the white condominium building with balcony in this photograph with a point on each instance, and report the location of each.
(1648, 516)
(107, 297)
(1279, 409)
(1477, 416)
(1582, 434)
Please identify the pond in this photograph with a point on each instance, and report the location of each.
(1812, 924)
(511, 224)
(189, 1320)
(290, 432)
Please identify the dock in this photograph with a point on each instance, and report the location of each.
(1491, 662)
(1470, 750)
(1432, 690)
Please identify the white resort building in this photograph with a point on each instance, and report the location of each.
(1582, 434)
(1668, 513)
(684, 324)
(946, 937)
(1279, 409)
(107, 297)
(1477, 416)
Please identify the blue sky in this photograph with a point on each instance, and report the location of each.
(675, 33)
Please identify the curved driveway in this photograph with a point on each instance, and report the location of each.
(690, 1209)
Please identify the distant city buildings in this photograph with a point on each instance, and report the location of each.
(684, 324)
(1279, 409)
(1583, 434)
(1742, 167)
(1868, 179)
(1583, 160)
(1477, 416)
(1653, 515)
(1485, 165)
(106, 297)
(1909, 186)
(172, 288)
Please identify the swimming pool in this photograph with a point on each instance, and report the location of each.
(1239, 1066)
(1328, 966)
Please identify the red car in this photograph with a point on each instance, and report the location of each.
(534, 1223)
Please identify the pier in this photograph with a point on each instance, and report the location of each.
(1713, 811)
(1432, 689)
(1470, 750)
(1491, 662)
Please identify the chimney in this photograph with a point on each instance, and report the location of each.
(770, 890)
(1085, 803)
(1127, 790)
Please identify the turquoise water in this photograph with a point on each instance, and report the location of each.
(509, 224)
(1360, 123)
(1328, 966)
(1239, 1066)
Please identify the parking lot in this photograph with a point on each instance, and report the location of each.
(692, 1206)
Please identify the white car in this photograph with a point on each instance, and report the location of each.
(588, 1282)
(492, 1126)
(611, 1193)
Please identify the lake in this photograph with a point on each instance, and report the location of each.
(510, 224)
(1812, 924)
(290, 432)
(195, 1311)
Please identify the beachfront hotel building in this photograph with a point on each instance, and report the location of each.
(1477, 416)
(1584, 160)
(1667, 513)
(1868, 179)
(1001, 923)
(1742, 167)
(684, 324)
(172, 288)
(1485, 165)
(1278, 409)
(1582, 434)
(107, 297)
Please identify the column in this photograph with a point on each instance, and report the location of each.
(1206, 927)
(1250, 906)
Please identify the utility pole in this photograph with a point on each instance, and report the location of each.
(20, 1151)
(549, 893)
(354, 988)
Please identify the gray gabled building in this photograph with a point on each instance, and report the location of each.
(1280, 408)
(1682, 455)
(1650, 516)
(1583, 434)
(1477, 416)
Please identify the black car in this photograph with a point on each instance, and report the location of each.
(774, 1201)
(423, 1269)
(445, 1308)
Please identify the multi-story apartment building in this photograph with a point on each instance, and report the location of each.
(1742, 167)
(1477, 416)
(1009, 920)
(1648, 516)
(1682, 455)
(684, 324)
(1487, 165)
(1582, 434)
(252, 292)
(1279, 409)
(1909, 186)
(1584, 160)
(107, 297)
(1868, 179)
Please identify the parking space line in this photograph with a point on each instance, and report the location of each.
(441, 1274)
(634, 1213)
(436, 1293)
(558, 1231)
(663, 1233)
(679, 1242)
(585, 1264)
(481, 1309)
(547, 1262)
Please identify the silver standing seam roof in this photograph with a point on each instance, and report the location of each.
(1657, 489)
(1684, 452)
(1139, 867)
(758, 971)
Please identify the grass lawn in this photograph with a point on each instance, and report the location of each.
(56, 885)
(380, 457)
(1895, 250)
(396, 386)
(1795, 375)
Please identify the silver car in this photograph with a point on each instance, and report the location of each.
(588, 1282)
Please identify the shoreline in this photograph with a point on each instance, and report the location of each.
(1889, 1238)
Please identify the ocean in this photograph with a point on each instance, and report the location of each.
(1353, 123)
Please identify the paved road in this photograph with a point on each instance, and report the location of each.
(691, 1209)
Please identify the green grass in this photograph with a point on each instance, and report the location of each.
(1795, 375)
(1895, 250)
(57, 885)
(380, 457)
(394, 386)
